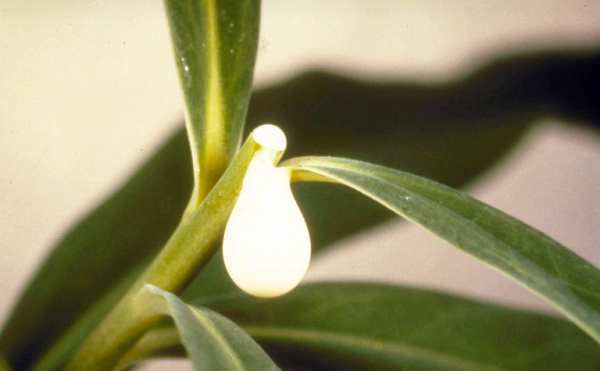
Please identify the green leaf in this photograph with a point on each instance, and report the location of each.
(213, 342)
(322, 113)
(395, 123)
(552, 271)
(215, 45)
(381, 327)
(135, 221)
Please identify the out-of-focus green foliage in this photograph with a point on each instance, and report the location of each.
(450, 132)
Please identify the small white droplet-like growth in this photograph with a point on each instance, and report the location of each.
(266, 246)
(270, 137)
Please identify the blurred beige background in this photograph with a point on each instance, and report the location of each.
(88, 89)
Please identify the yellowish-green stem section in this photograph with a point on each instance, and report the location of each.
(159, 340)
(190, 247)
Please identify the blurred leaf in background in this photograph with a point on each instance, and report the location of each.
(366, 326)
(450, 132)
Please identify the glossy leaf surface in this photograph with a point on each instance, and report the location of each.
(360, 326)
(549, 269)
(215, 45)
(213, 342)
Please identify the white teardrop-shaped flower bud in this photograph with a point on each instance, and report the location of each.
(266, 246)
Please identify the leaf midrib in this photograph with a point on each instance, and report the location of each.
(328, 171)
(214, 101)
(477, 227)
(219, 338)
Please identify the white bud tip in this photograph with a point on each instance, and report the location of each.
(270, 136)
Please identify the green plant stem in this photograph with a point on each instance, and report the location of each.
(159, 340)
(189, 248)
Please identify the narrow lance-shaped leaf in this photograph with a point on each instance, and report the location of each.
(215, 46)
(379, 327)
(54, 301)
(213, 342)
(552, 271)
